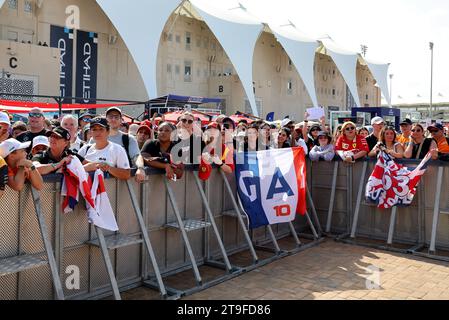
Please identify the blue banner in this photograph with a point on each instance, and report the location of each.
(62, 38)
(86, 66)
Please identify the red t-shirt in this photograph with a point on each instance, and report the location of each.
(356, 145)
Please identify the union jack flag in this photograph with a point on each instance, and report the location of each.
(392, 184)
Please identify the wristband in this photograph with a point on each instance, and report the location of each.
(352, 157)
(33, 167)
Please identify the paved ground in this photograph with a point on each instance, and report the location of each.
(335, 271)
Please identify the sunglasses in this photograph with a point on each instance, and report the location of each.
(322, 137)
(186, 121)
(416, 130)
(35, 115)
(227, 126)
(350, 128)
(86, 119)
(314, 130)
(433, 131)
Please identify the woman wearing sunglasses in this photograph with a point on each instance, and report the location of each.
(420, 146)
(387, 142)
(188, 141)
(351, 145)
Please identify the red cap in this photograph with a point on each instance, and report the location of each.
(144, 127)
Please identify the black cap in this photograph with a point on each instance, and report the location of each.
(99, 121)
(60, 131)
(228, 119)
(437, 126)
(406, 121)
(86, 114)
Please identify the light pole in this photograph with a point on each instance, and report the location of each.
(431, 77)
(364, 49)
(391, 90)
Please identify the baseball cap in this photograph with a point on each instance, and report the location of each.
(437, 126)
(60, 131)
(4, 118)
(86, 114)
(285, 122)
(40, 140)
(36, 110)
(144, 127)
(227, 119)
(377, 120)
(406, 121)
(114, 109)
(86, 127)
(99, 121)
(11, 145)
(212, 125)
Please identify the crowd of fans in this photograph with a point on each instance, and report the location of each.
(40, 147)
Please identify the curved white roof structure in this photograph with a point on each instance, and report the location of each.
(238, 36)
(140, 25)
(346, 62)
(380, 73)
(301, 51)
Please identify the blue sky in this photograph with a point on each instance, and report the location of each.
(395, 31)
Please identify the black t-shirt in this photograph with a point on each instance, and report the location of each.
(29, 136)
(424, 150)
(372, 141)
(46, 158)
(153, 148)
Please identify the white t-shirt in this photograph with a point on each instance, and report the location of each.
(113, 154)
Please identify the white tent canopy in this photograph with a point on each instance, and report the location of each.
(140, 24)
(301, 51)
(380, 73)
(238, 36)
(346, 63)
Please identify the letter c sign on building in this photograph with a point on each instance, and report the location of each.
(13, 62)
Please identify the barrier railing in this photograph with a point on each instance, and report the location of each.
(94, 263)
(157, 250)
(417, 229)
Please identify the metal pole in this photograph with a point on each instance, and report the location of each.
(431, 78)
(359, 200)
(436, 210)
(332, 199)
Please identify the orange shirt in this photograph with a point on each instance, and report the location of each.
(443, 146)
(403, 140)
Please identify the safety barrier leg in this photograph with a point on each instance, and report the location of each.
(146, 239)
(309, 221)
(294, 234)
(172, 198)
(47, 244)
(332, 199)
(436, 211)
(314, 214)
(359, 200)
(108, 263)
(239, 217)
(273, 239)
(212, 221)
(394, 211)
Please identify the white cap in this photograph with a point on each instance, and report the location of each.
(40, 141)
(11, 145)
(377, 120)
(4, 118)
(286, 121)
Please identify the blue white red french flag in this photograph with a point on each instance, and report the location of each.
(272, 185)
(392, 184)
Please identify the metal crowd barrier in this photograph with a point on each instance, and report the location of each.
(420, 229)
(165, 229)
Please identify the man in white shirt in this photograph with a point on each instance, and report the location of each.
(103, 154)
(114, 118)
